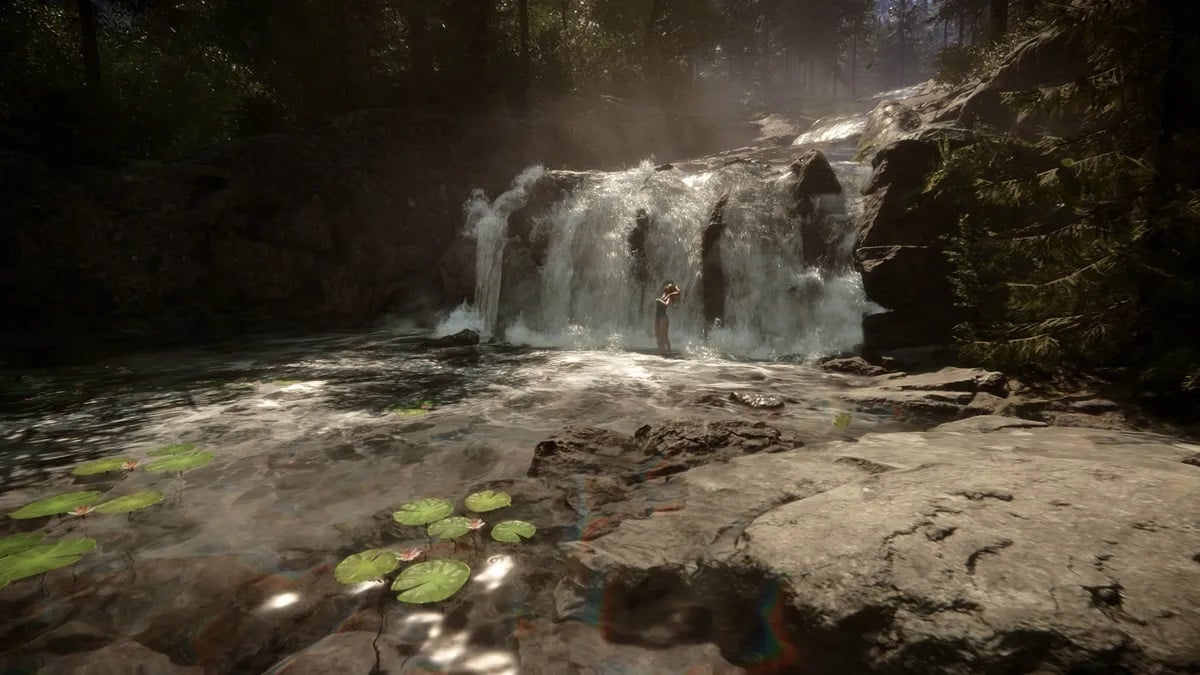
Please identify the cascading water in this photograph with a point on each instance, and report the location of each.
(582, 286)
(487, 223)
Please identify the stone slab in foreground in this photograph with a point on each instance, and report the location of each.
(984, 545)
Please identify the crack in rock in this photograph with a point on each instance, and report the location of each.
(979, 495)
(993, 549)
(873, 468)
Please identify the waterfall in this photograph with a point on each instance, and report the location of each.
(574, 282)
(487, 222)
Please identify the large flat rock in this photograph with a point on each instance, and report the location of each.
(985, 545)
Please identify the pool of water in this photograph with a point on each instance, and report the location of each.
(316, 439)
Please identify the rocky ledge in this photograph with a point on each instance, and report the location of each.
(989, 544)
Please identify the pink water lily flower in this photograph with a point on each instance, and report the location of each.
(410, 554)
(130, 465)
(82, 510)
(475, 523)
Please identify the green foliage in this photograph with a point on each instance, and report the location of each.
(36, 560)
(177, 76)
(435, 580)
(513, 531)
(106, 465)
(53, 506)
(131, 503)
(488, 500)
(184, 461)
(177, 449)
(423, 512)
(15, 543)
(959, 64)
(1074, 251)
(450, 528)
(366, 566)
(431, 581)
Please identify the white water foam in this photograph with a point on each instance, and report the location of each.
(587, 295)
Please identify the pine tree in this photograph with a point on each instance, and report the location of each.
(1082, 250)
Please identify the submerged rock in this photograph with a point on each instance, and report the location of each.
(463, 338)
(121, 658)
(753, 400)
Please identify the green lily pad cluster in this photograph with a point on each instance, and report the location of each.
(432, 580)
(171, 459)
(24, 555)
(81, 504)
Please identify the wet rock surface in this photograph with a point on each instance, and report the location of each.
(987, 545)
(463, 338)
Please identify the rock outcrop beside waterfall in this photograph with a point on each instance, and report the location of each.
(900, 250)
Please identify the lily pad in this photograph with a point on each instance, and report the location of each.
(423, 512)
(106, 465)
(366, 566)
(181, 462)
(450, 528)
(15, 543)
(482, 502)
(177, 449)
(409, 412)
(130, 503)
(53, 506)
(512, 531)
(431, 581)
(44, 558)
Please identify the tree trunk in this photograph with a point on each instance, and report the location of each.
(420, 51)
(962, 26)
(999, 20)
(563, 6)
(854, 66)
(526, 69)
(89, 45)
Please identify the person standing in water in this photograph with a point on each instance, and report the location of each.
(662, 325)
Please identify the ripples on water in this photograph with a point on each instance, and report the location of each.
(309, 447)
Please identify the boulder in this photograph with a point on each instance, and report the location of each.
(551, 188)
(463, 338)
(653, 452)
(854, 365)
(906, 277)
(756, 400)
(1049, 59)
(812, 176)
(457, 269)
(121, 658)
(886, 332)
(889, 120)
(348, 652)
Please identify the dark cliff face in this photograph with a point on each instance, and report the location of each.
(324, 230)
